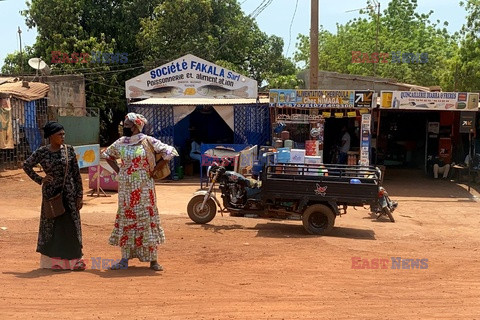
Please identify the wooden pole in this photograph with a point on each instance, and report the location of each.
(98, 179)
(313, 83)
(21, 54)
(378, 136)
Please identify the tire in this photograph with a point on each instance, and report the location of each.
(206, 215)
(318, 219)
(388, 213)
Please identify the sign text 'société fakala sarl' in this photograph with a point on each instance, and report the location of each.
(209, 72)
(191, 77)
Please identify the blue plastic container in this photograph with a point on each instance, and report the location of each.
(282, 155)
(257, 167)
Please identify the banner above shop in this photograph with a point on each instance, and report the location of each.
(191, 77)
(344, 99)
(436, 101)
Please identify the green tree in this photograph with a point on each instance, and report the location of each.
(14, 61)
(152, 32)
(400, 30)
(465, 67)
(80, 26)
(216, 31)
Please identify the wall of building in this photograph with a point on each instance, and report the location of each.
(65, 90)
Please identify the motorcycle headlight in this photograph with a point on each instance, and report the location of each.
(209, 172)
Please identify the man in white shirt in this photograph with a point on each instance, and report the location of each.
(345, 146)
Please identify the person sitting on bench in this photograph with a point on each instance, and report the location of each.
(195, 151)
(439, 166)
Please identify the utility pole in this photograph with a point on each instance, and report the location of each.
(313, 85)
(377, 5)
(21, 55)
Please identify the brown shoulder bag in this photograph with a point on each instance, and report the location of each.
(161, 170)
(54, 206)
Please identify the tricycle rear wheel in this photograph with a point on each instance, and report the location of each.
(318, 219)
(201, 216)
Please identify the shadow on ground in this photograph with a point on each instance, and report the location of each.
(415, 183)
(288, 230)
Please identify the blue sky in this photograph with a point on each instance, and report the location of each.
(275, 19)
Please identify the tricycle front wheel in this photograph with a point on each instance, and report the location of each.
(318, 219)
(201, 216)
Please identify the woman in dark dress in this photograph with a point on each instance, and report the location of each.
(60, 238)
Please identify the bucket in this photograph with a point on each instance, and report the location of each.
(180, 172)
(285, 135)
(278, 143)
(256, 168)
(288, 144)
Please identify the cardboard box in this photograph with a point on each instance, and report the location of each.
(297, 156)
(312, 147)
(313, 160)
(108, 179)
(316, 171)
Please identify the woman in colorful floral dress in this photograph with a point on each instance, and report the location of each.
(137, 225)
(60, 238)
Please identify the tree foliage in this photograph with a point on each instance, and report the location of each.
(465, 66)
(152, 32)
(14, 62)
(400, 30)
(216, 31)
(81, 26)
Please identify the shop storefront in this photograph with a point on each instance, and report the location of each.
(191, 99)
(413, 128)
(313, 120)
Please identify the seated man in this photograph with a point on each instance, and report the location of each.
(195, 151)
(441, 167)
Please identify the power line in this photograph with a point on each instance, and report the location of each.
(99, 67)
(104, 96)
(106, 85)
(290, 29)
(112, 71)
(262, 6)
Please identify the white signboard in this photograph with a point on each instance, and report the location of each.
(88, 155)
(191, 77)
(419, 100)
(365, 139)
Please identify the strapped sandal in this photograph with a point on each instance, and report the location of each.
(155, 266)
(79, 266)
(122, 264)
(57, 267)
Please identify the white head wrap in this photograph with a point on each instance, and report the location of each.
(138, 120)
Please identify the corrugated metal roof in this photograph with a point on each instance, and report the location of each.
(6, 79)
(34, 91)
(198, 101)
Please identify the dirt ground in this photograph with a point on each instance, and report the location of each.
(244, 268)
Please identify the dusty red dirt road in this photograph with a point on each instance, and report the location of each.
(241, 268)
